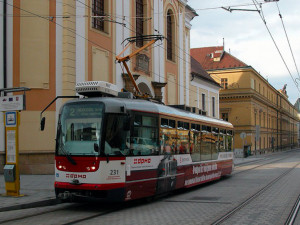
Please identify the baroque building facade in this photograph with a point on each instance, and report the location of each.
(263, 117)
(52, 45)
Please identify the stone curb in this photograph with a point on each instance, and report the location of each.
(36, 204)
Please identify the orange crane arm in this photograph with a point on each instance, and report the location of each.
(128, 57)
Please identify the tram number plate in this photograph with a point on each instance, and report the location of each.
(114, 172)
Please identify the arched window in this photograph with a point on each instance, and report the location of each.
(139, 22)
(170, 36)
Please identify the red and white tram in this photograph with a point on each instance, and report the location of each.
(120, 149)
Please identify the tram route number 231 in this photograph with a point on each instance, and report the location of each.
(114, 172)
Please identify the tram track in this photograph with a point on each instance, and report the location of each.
(255, 167)
(72, 207)
(98, 212)
(294, 212)
(246, 202)
(31, 215)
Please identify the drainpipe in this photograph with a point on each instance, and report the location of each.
(277, 147)
(4, 45)
(4, 61)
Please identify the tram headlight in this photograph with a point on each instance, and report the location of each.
(92, 168)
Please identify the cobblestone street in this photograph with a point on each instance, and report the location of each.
(200, 205)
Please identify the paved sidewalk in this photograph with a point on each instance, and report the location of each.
(38, 190)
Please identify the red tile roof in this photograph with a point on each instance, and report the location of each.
(198, 71)
(216, 58)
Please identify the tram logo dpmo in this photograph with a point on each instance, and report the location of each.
(141, 160)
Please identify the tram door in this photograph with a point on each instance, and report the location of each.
(166, 174)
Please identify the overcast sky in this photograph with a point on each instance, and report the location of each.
(247, 38)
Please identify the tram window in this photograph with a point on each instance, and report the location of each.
(206, 143)
(164, 122)
(137, 120)
(149, 121)
(229, 132)
(183, 137)
(167, 123)
(206, 128)
(195, 145)
(172, 123)
(186, 126)
(229, 141)
(215, 143)
(195, 127)
(116, 137)
(144, 139)
(222, 139)
(168, 136)
(215, 129)
(79, 129)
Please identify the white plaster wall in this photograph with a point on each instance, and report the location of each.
(181, 60)
(58, 70)
(156, 51)
(2, 146)
(122, 9)
(9, 60)
(208, 97)
(187, 68)
(80, 43)
(1, 46)
(158, 68)
(9, 44)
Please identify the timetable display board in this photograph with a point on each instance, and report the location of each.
(12, 103)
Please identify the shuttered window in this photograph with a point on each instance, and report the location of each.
(98, 11)
(139, 22)
(169, 36)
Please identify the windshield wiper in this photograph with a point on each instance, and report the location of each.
(68, 155)
(60, 147)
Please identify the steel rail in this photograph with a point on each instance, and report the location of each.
(252, 197)
(76, 205)
(276, 160)
(291, 218)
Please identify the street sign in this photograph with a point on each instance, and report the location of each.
(10, 119)
(12, 103)
(243, 135)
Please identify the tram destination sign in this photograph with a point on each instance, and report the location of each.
(12, 103)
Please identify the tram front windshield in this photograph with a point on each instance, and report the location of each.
(79, 129)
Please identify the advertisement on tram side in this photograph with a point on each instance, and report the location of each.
(165, 173)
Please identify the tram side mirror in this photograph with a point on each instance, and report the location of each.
(127, 121)
(43, 121)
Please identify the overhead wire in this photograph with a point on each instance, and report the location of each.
(118, 16)
(281, 18)
(175, 45)
(74, 32)
(152, 47)
(265, 23)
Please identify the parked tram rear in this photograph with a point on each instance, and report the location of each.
(120, 149)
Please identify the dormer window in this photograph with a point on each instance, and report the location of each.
(224, 83)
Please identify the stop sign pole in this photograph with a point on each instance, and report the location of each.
(11, 106)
